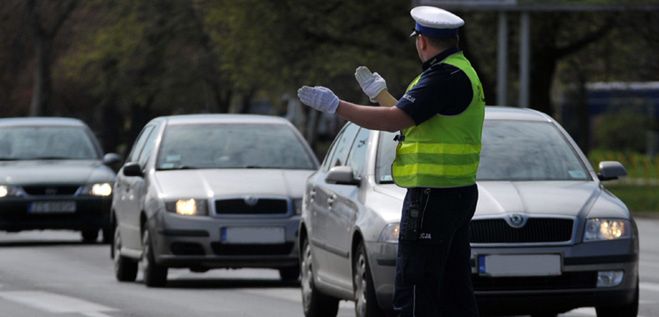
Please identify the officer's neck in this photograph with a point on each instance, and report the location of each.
(436, 55)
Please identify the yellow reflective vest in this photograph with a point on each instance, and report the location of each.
(444, 151)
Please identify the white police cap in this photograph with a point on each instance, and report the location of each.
(435, 22)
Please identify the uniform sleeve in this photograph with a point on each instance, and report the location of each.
(445, 90)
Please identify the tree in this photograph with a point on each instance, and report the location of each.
(45, 20)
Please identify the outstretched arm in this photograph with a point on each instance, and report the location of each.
(387, 118)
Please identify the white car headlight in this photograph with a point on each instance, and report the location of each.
(598, 229)
(7, 191)
(187, 207)
(390, 233)
(98, 189)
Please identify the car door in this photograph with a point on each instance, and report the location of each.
(343, 206)
(133, 190)
(323, 197)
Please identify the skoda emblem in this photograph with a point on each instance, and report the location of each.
(516, 220)
(251, 201)
(51, 191)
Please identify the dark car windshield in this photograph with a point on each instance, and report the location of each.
(46, 142)
(233, 146)
(512, 151)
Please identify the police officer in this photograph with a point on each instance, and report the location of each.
(440, 118)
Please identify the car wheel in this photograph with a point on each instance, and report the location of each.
(154, 274)
(289, 274)
(89, 235)
(628, 310)
(125, 269)
(366, 304)
(314, 303)
(107, 234)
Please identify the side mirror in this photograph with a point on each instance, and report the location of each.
(610, 170)
(111, 158)
(341, 175)
(132, 169)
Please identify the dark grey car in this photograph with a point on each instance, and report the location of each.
(547, 237)
(53, 175)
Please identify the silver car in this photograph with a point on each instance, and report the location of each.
(210, 191)
(547, 237)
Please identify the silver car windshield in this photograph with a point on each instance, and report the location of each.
(209, 146)
(512, 151)
(45, 143)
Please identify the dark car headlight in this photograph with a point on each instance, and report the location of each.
(98, 189)
(187, 207)
(603, 229)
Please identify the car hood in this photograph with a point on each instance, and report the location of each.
(54, 172)
(231, 182)
(557, 198)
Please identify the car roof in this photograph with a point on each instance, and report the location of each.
(222, 118)
(42, 121)
(511, 113)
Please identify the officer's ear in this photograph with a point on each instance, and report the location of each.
(422, 42)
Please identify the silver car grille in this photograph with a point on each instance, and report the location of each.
(535, 230)
(251, 205)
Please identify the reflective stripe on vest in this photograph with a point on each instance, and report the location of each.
(443, 151)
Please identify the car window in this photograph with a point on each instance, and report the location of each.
(357, 157)
(148, 147)
(233, 145)
(339, 151)
(46, 142)
(512, 151)
(139, 144)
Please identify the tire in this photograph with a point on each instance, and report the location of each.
(289, 274)
(314, 303)
(627, 310)
(366, 303)
(107, 235)
(89, 235)
(125, 269)
(154, 274)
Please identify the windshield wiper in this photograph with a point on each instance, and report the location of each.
(182, 167)
(9, 158)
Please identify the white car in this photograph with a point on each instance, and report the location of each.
(210, 191)
(546, 237)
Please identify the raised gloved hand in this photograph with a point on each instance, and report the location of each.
(319, 98)
(371, 83)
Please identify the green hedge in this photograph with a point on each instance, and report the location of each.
(638, 198)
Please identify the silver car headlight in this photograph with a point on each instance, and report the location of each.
(187, 207)
(98, 189)
(598, 229)
(8, 191)
(390, 233)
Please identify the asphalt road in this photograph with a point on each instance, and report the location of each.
(52, 274)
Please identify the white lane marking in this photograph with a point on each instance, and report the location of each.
(586, 311)
(55, 303)
(646, 286)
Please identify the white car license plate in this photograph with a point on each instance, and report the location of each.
(44, 207)
(519, 265)
(253, 235)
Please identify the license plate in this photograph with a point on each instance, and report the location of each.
(519, 265)
(44, 207)
(253, 235)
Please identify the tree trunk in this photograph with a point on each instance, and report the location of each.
(42, 77)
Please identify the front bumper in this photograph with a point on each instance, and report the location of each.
(575, 287)
(196, 242)
(90, 213)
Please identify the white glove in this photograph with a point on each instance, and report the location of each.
(371, 83)
(319, 98)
